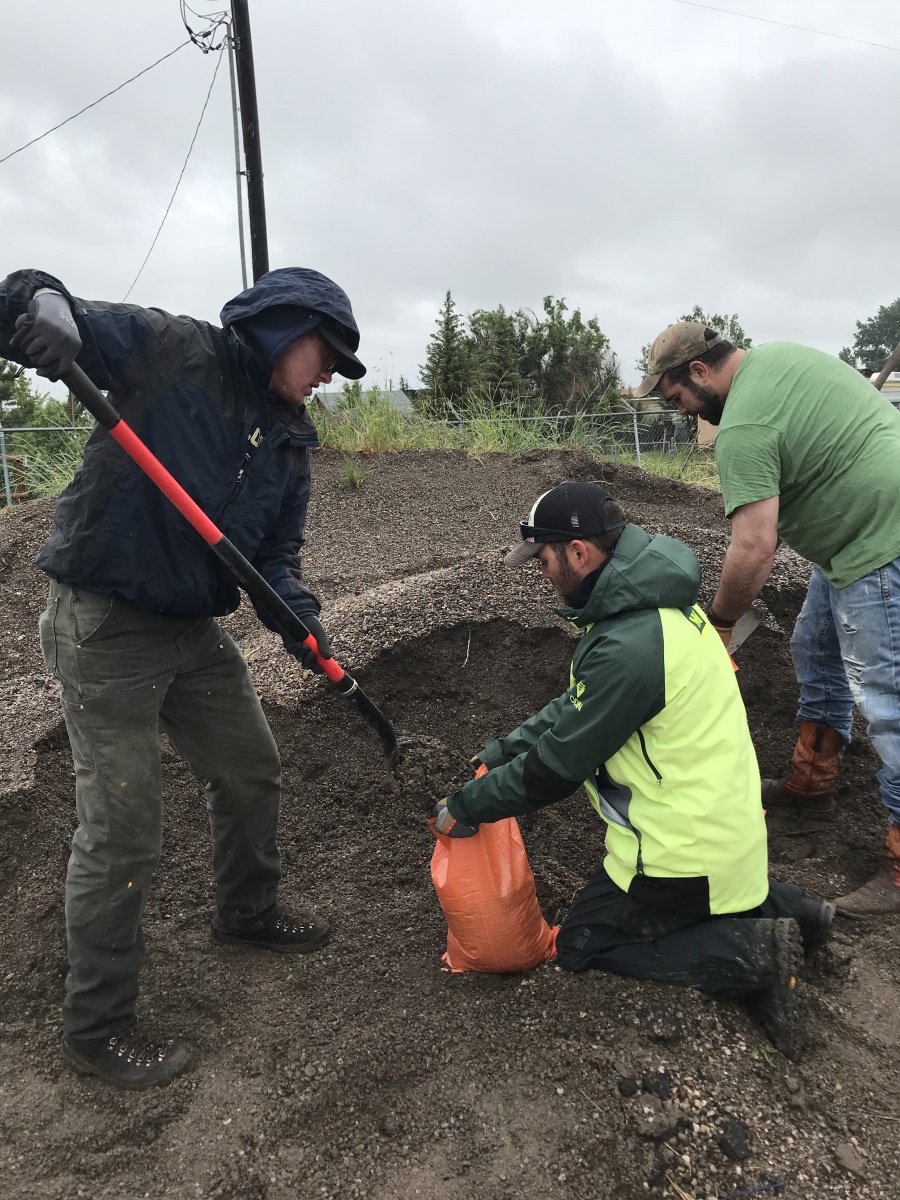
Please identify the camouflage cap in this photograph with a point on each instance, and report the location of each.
(676, 345)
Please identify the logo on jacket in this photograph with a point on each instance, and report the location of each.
(255, 437)
(575, 696)
(697, 619)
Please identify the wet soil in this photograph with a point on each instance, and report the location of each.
(364, 1070)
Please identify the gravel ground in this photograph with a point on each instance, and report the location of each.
(364, 1070)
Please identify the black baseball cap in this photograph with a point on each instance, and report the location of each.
(335, 334)
(566, 512)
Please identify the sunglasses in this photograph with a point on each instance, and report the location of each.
(332, 358)
(534, 533)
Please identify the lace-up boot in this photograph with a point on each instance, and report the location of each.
(283, 932)
(130, 1060)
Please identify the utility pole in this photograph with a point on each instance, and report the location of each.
(256, 201)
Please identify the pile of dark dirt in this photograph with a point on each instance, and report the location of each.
(364, 1070)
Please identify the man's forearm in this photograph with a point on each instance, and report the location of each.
(744, 572)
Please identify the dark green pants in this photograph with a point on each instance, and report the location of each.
(125, 673)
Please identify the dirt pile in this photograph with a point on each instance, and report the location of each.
(365, 1071)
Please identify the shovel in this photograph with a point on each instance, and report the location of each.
(745, 625)
(256, 587)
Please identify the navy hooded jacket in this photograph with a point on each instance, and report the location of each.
(196, 395)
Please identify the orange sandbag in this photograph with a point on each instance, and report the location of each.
(486, 889)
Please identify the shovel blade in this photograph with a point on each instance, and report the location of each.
(366, 707)
(745, 625)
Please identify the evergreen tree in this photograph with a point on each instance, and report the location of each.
(446, 374)
(569, 361)
(496, 353)
(559, 362)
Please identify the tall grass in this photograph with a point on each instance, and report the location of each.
(690, 464)
(47, 469)
(366, 422)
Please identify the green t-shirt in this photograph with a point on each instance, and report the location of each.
(808, 428)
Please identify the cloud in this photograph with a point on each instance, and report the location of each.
(636, 160)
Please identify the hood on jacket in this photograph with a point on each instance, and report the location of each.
(282, 306)
(645, 571)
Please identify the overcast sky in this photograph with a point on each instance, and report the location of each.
(636, 158)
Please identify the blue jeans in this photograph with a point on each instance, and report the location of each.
(846, 651)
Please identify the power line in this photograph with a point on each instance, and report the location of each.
(204, 38)
(180, 177)
(96, 102)
(785, 25)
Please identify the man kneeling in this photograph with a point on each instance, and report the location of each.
(654, 727)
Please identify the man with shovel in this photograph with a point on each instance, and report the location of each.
(130, 630)
(653, 726)
(808, 451)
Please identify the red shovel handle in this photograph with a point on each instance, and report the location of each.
(328, 665)
(256, 586)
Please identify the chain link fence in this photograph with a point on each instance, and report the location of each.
(629, 433)
(40, 460)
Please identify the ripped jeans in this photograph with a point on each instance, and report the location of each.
(846, 651)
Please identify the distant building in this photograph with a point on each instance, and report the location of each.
(397, 399)
(706, 433)
(892, 388)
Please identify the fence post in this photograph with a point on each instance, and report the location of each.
(5, 468)
(634, 424)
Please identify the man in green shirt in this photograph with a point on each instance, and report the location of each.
(808, 452)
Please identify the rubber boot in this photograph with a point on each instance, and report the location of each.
(881, 895)
(782, 1008)
(808, 788)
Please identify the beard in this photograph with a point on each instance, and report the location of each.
(712, 405)
(568, 585)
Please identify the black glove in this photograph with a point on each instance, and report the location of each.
(303, 653)
(47, 335)
(448, 825)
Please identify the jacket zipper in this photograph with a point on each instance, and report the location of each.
(246, 463)
(237, 484)
(647, 757)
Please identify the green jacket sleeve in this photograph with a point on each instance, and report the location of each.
(619, 685)
(502, 750)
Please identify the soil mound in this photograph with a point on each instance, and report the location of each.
(364, 1070)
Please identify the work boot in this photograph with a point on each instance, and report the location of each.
(128, 1060)
(881, 895)
(283, 933)
(808, 788)
(781, 1009)
(815, 918)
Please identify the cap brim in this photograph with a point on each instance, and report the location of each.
(523, 552)
(647, 385)
(348, 364)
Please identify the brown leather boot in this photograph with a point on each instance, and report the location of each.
(808, 787)
(881, 895)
